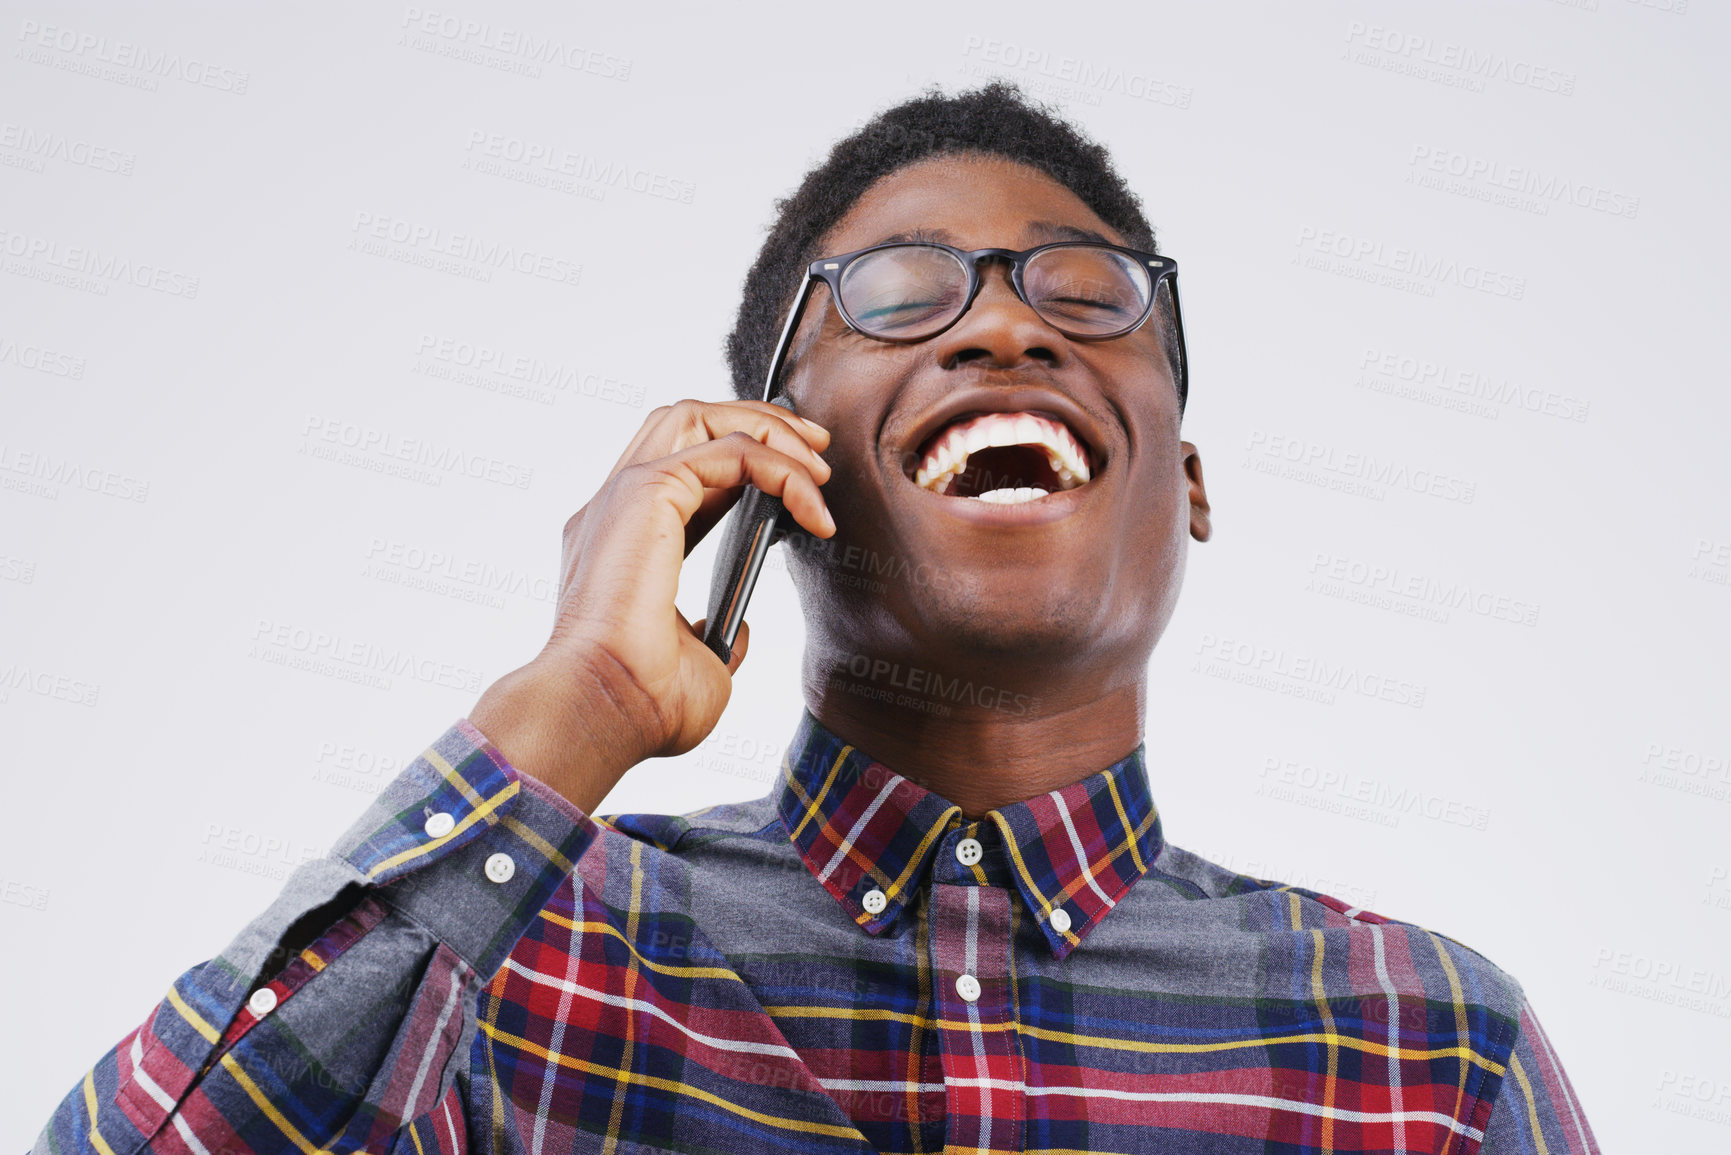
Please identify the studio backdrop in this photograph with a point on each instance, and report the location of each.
(317, 322)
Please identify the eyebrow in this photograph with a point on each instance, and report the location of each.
(918, 236)
(1043, 231)
(1056, 232)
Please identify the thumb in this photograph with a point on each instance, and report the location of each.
(741, 643)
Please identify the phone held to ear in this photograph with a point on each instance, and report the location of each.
(756, 523)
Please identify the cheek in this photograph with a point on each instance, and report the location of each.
(1160, 507)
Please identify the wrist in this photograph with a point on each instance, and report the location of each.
(555, 729)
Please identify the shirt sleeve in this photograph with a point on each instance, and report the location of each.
(336, 1046)
(1536, 1108)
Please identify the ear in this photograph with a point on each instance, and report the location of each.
(1201, 527)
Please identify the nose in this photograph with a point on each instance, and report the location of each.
(999, 329)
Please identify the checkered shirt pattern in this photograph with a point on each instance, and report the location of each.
(845, 965)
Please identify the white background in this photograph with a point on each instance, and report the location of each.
(1559, 797)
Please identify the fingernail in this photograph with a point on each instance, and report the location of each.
(814, 424)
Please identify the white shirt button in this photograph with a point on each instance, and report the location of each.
(969, 851)
(1060, 919)
(968, 987)
(874, 901)
(440, 825)
(500, 868)
(262, 1003)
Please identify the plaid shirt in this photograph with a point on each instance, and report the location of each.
(846, 965)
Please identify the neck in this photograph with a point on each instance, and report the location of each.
(989, 745)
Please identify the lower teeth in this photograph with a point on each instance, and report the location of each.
(1010, 496)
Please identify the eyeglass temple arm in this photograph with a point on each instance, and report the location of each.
(1183, 353)
(787, 329)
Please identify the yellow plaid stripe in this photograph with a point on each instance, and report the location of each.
(615, 1074)
(480, 814)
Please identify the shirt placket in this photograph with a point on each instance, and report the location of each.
(970, 922)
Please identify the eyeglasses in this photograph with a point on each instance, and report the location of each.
(912, 291)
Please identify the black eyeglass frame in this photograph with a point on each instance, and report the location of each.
(829, 270)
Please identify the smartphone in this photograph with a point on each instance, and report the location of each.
(755, 524)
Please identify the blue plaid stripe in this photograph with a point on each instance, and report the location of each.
(685, 984)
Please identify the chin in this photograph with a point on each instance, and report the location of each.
(979, 617)
(1013, 623)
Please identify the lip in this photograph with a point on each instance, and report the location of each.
(975, 401)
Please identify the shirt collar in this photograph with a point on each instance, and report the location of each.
(860, 827)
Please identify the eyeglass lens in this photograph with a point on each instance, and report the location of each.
(905, 292)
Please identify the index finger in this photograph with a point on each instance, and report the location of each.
(814, 433)
(672, 428)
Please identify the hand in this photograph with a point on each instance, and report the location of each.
(624, 676)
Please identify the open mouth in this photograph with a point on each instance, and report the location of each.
(1003, 458)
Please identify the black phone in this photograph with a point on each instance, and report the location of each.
(755, 524)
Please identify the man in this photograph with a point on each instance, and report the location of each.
(973, 937)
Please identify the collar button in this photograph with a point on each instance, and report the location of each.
(969, 851)
(874, 901)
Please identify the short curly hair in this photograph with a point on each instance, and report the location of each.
(997, 119)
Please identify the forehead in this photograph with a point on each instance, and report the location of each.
(971, 202)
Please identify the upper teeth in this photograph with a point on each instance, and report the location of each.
(948, 456)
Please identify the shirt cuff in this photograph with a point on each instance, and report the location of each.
(468, 847)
